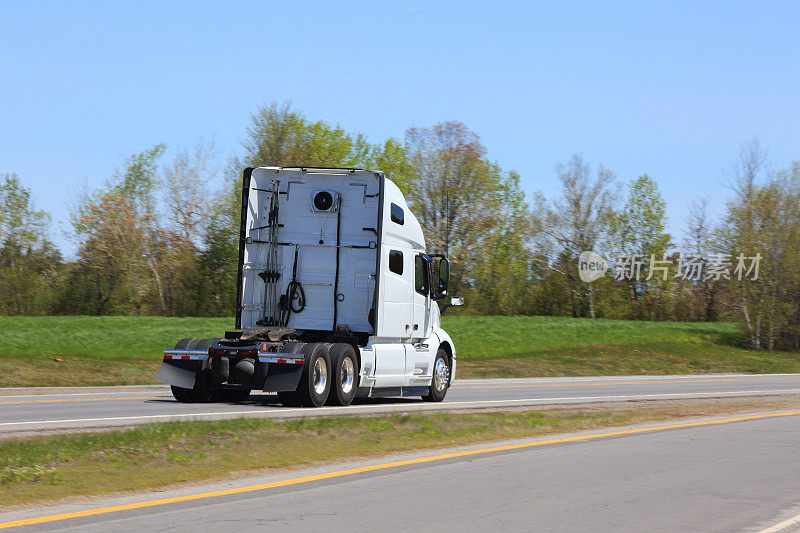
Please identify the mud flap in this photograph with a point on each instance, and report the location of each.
(180, 377)
(282, 377)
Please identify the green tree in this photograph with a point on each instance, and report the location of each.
(763, 219)
(455, 192)
(216, 289)
(121, 244)
(28, 260)
(502, 276)
(639, 233)
(188, 210)
(391, 158)
(280, 136)
(20, 223)
(577, 221)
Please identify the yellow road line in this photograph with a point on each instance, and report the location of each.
(82, 400)
(360, 470)
(589, 384)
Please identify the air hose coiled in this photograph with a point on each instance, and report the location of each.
(294, 300)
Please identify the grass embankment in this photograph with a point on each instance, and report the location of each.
(41, 468)
(127, 350)
(103, 350)
(560, 346)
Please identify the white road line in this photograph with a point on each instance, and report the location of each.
(389, 408)
(783, 526)
(589, 380)
(565, 379)
(626, 377)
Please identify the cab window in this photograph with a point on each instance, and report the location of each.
(397, 215)
(396, 262)
(421, 275)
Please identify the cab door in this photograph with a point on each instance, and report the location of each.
(397, 282)
(419, 352)
(421, 297)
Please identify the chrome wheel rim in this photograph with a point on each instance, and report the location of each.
(320, 375)
(441, 375)
(347, 376)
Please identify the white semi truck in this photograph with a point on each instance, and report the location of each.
(336, 297)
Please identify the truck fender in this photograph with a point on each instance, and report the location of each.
(446, 343)
(179, 377)
(282, 378)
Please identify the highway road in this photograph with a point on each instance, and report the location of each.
(735, 474)
(43, 409)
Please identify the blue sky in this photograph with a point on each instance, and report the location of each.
(670, 89)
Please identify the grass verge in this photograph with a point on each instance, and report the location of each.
(35, 469)
(127, 350)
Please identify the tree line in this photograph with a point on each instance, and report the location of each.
(159, 239)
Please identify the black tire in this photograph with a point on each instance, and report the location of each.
(180, 394)
(183, 343)
(289, 399)
(234, 395)
(202, 391)
(315, 382)
(204, 344)
(441, 370)
(344, 374)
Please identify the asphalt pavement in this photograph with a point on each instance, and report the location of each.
(736, 475)
(23, 411)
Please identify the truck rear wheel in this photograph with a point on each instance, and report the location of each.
(288, 399)
(234, 395)
(202, 393)
(344, 374)
(180, 394)
(315, 382)
(441, 378)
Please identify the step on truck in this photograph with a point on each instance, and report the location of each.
(336, 298)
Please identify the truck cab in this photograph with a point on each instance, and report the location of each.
(336, 297)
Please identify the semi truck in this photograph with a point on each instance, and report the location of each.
(336, 298)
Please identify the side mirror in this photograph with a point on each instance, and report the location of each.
(442, 279)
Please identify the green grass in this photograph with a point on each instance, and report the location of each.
(101, 338)
(494, 346)
(127, 350)
(111, 350)
(491, 336)
(40, 468)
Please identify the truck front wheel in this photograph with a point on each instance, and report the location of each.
(441, 378)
